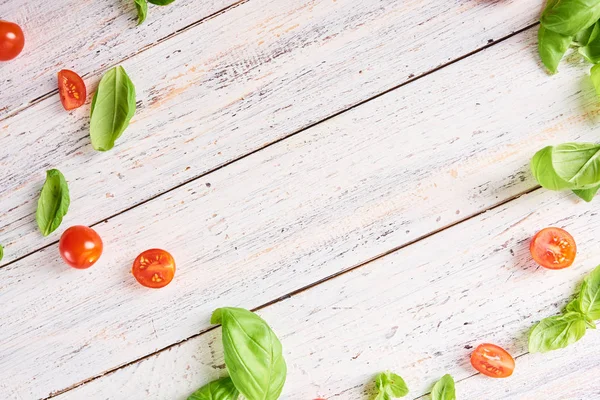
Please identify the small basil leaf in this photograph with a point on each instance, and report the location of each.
(552, 47)
(253, 354)
(113, 106)
(142, 10)
(589, 295)
(568, 17)
(221, 389)
(595, 75)
(390, 386)
(557, 332)
(591, 50)
(444, 389)
(573, 306)
(1, 252)
(583, 36)
(587, 194)
(53, 203)
(161, 2)
(573, 166)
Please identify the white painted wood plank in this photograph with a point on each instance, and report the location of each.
(418, 312)
(86, 36)
(227, 87)
(292, 214)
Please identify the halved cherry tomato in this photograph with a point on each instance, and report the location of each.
(154, 268)
(71, 89)
(80, 246)
(553, 248)
(12, 40)
(492, 360)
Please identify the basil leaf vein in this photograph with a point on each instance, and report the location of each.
(113, 107)
(220, 389)
(53, 203)
(444, 389)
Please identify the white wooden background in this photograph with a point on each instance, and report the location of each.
(356, 170)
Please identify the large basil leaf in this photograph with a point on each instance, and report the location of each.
(113, 106)
(568, 17)
(142, 10)
(53, 203)
(390, 386)
(221, 389)
(574, 166)
(444, 389)
(589, 295)
(253, 354)
(552, 47)
(557, 332)
(161, 2)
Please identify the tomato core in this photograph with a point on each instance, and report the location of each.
(553, 248)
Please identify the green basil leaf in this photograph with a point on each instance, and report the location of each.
(390, 386)
(587, 194)
(568, 17)
(113, 106)
(573, 166)
(557, 332)
(573, 306)
(552, 47)
(595, 75)
(253, 354)
(589, 295)
(444, 389)
(53, 203)
(161, 2)
(591, 50)
(1, 252)
(142, 10)
(221, 389)
(583, 36)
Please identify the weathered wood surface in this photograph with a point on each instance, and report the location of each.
(294, 213)
(229, 86)
(418, 311)
(86, 36)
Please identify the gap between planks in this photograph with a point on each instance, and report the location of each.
(308, 287)
(285, 137)
(142, 50)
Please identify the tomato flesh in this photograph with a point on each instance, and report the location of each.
(12, 40)
(154, 268)
(71, 89)
(493, 361)
(553, 248)
(80, 246)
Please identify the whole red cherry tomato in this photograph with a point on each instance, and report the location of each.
(553, 248)
(154, 268)
(71, 89)
(12, 40)
(493, 361)
(80, 246)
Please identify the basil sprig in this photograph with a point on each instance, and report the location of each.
(113, 107)
(572, 166)
(220, 389)
(53, 203)
(390, 386)
(444, 389)
(562, 330)
(253, 354)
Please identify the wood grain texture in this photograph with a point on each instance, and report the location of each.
(292, 214)
(229, 86)
(419, 312)
(86, 36)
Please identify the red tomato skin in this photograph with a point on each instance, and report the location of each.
(12, 40)
(154, 268)
(80, 247)
(549, 239)
(71, 89)
(492, 361)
